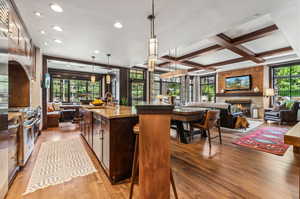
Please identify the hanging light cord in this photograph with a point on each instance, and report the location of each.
(151, 18)
(108, 55)
(93, 57)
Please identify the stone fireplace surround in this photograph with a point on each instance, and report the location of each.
(241, 106)
(256, 101)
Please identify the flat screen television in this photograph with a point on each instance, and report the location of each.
(238, 83)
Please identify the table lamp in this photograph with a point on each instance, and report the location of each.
(269, 92)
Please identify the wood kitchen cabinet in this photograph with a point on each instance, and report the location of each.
(101, 140)
(86, 125)
(112, 142)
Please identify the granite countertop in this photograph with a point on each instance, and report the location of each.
(12, 115)
(92, 107)
(111, 112)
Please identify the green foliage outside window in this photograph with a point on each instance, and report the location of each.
(208, 87)
(73, 90)
(137, 86)
(287, 81)
(174, 88)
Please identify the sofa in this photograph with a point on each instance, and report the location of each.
(284, 115)
(227, 117)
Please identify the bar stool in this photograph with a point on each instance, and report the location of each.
(135, 166)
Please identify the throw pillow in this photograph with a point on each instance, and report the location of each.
(289, 104)
(50, 108)
(279, 107)
(56, 106)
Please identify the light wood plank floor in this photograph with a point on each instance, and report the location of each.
(227, 171)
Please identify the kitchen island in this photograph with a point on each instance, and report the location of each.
(109, 133)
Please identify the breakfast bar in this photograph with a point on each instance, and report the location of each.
(108, 130)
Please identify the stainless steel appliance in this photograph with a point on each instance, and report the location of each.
(29, 130)
(13, 147)
(3, 100)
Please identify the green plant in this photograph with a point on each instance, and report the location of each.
(289, 104)
(124, 101)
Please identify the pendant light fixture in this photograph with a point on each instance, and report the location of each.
(153, 43)
(93, 77)
(108, 80)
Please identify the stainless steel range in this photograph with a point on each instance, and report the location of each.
(29, 131)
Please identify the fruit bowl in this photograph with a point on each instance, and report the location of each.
(97, 102)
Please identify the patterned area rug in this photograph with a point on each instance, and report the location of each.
(268, 139)
(59, 162)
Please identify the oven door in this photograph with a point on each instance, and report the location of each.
(28, 141)
(13, 151)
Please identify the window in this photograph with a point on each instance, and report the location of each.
(191, 89)
(57, 90)
(208, 88)
(286, 81)
(157, 85)
(73, 90)
(137, 86)
(171, 87)
(136, 74)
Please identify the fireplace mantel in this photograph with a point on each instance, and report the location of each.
(239, 94)
(238, 101)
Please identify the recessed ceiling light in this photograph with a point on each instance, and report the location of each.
(58, 41)
(56, 8)
(43, 32)
(46, 44)
(96, 51)
(57, 28)
(38, 14)
(118, 25)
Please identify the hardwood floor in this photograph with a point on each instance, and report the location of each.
(227, 171)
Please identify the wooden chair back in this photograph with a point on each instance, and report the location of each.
(211, 119)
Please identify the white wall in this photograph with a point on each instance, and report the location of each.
(288, 21)
(35, 87)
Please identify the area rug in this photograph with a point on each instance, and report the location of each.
(59, 162)
(252, 125)
(267, 139)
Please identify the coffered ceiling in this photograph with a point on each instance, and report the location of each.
(185, 25)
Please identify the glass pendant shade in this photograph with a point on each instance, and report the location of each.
(152, 53)
(93, 78)
(151, 64)
(107, 79)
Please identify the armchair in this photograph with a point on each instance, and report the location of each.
(283, 115)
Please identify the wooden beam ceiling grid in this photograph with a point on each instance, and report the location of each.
(225, 42)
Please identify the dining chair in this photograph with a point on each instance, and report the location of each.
(212, 119)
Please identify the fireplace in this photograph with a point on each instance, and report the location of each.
(240, 105)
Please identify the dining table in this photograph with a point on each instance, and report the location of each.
(183, 115)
